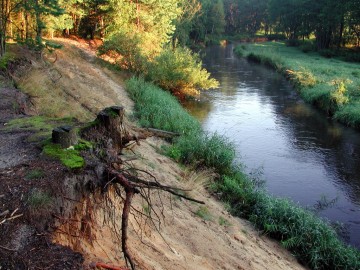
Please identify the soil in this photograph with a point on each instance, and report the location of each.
(80, 224)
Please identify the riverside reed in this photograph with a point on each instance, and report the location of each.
(331, 84)
(309, 238)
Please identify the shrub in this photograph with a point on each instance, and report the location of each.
(293, 43)
(125, 50)
(328, 53)
(307, 47)
(272, 37)
(179, 71)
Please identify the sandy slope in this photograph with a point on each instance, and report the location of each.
(187, 241)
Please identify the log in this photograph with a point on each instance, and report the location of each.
(65, 136)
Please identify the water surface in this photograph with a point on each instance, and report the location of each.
(302, 153)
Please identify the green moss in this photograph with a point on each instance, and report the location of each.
(69, 157)
(83, 145)
(40, 125)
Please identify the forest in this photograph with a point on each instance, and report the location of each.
(152, 37)
(153, 23)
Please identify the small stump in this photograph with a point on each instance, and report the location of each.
(65, 136)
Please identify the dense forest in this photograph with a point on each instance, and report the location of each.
(147, 35)
(156, 22)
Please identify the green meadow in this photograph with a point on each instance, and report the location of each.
(331, 84)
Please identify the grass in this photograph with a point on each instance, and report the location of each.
(312, 240)
(331, 84)
(204, 213)
(34, 174)
(39, 200)
(224, 222)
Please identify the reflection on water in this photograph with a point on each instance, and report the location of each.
(303, 154)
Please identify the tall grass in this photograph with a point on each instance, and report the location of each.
(310, 239)
(331, 84)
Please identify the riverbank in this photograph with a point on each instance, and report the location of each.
(331, 84)
(190, 236)
(312, 240)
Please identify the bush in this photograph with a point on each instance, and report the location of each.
(272, 37)
(179, 71)
(293, 43)
(125, 50)
(328, 53)
(352, 57)
(307, 47)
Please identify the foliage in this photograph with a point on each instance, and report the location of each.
(180, 70)
(69, 157)
(151, 21)
(124, 48)
(5, 59)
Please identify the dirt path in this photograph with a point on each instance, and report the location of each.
(13, 146)
(188, 240)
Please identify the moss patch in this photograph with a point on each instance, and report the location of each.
(69, 157)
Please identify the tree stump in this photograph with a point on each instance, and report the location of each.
(111, 123)
(65, 136)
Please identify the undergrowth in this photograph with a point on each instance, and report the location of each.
(312, 240)
(331, 84)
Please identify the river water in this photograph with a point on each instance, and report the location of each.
(301, 153)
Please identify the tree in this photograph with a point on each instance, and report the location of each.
(7, 7)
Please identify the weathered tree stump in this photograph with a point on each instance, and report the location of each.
(110, 121)
(65, 136)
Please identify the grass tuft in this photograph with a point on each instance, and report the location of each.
(34, 174)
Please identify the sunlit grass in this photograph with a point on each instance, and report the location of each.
(331, 84)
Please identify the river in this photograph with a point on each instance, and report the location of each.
(301, 153)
